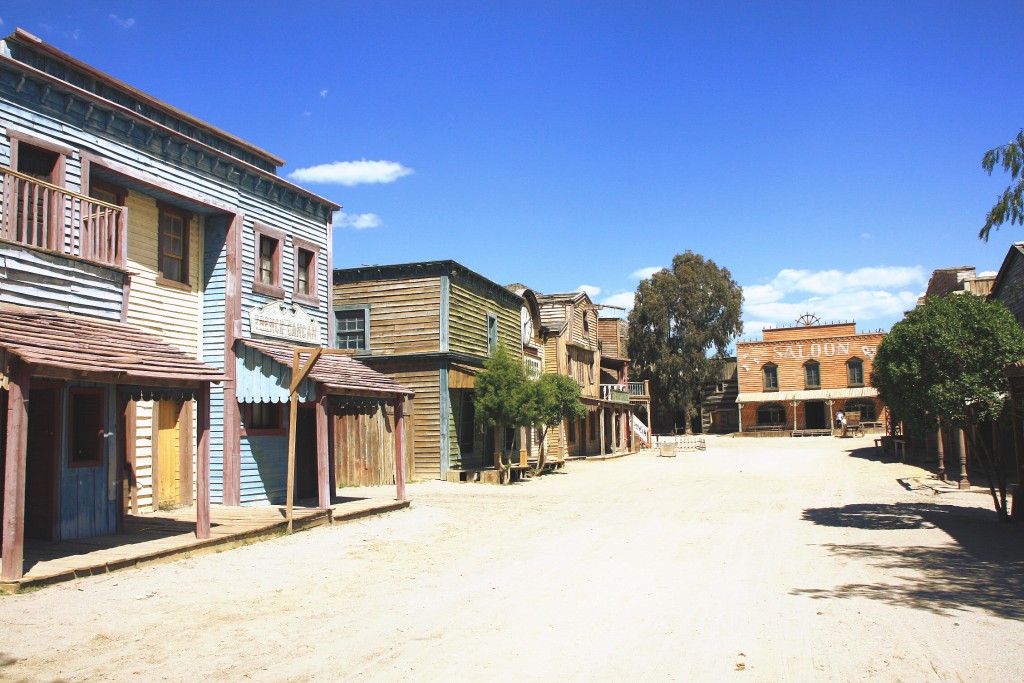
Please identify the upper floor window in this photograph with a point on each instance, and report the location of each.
(855, 372)
(172, 244)
(267, 247)
(352, 328)
(812, 374)
(492, 334)
(306, 267)
(105, 192)
(770, 377)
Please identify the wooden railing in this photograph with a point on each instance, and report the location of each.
(616, 393)
(640, 389)
(38, 214)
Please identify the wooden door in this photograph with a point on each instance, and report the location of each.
(305, 453)
(168, 454)
(41, 466)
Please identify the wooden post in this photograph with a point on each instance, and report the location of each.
(601, 429)
(964, 482)
(794, 415)
(299, 374)
(203, 462)
(739, 417)
(13, 549)
(400, 448)
(323, 471)
(940, 448)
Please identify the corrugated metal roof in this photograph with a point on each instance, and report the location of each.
(339, 373)
(807, 395)
(93, 347)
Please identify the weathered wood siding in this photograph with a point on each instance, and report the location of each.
(364, 445)
(809, 332)
(30, 277)
(213, 339)
(611, 333)
(405, 315)
(423, 377)
(87, 496)
(469, 306)
(1011, 289)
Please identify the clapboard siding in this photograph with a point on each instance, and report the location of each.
(404, 314)
(421, 377)
(469, 306)
(264, 472)
(790, 357)
(212, 352)
(1011, 285)
(29, 277)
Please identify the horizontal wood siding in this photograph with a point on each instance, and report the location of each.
(468, 309)
(423, 377)
(144, 454)
(809, 332)
(404, 314)
(1011, 291)
(264, 473)
(41, 280)
(214, 325)
(791, 357)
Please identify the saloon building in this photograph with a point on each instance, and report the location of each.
(797, 378)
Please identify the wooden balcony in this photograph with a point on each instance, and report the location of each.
(38, 214)
(640, 392)
(616, 393)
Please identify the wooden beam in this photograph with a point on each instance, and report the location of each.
(323, 468)
(203, 462)
(13, 547)
(400, 449)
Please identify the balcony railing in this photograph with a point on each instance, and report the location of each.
(640, 390)
(38, 214)
(616, 393)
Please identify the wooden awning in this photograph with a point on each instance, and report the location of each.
(66, 346)
(340, 374)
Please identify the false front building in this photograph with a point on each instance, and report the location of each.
(797, 378)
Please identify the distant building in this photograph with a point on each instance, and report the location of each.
(797, 378)
(718, 401)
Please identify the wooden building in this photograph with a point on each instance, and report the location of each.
(718, 410)
(797, 378)
(430, 326)
(613, 335)
(120, 207)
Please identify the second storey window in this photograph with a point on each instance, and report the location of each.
(269, 243)
(172, 245)
(770, 377)
(306, 271)
(351, 329)
(812, 375)
(492, 334)
(855, 372)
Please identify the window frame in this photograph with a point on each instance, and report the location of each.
(247, 418)
(186, 243)
(365, 308)
(17, 138)
(313, 279)
(119, 193)
(850, 363)
(807, 374)
(274, 288)
(772, 406)
(764, 377)
(96, 396)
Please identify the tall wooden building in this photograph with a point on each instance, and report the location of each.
(798, 377)
(430, 326)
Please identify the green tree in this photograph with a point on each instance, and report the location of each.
(1010, 204)
(944, 361)
(546, 402)
(497, 397)
(682, 322)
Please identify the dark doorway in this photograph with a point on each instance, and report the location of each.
(41, 464)
(814, 415)
(305, 454)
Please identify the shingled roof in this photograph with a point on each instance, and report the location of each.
(338, 372)
(77, 346)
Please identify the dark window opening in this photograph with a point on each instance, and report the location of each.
(86, 427)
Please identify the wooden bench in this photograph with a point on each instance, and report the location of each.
(812, 432)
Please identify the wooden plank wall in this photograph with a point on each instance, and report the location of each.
(468, 309)
(1011, 290)
(85, 501)
(423, 377)
(831, 353)
(364, 446)
(56, 283)
(404, 314)
(213, 316)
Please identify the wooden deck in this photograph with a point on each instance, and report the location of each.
(170, 534)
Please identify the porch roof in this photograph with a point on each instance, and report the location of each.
(69, 346)
(807, 395)
(340, 374)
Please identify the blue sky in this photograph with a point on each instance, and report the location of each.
(828, 154)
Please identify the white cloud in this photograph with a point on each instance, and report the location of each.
(323, 93)
(1, 21)
(866, 236)
(988, 273)
(644, 273)
(123, 23)
(622, 300)
(307, 113)
(357, 221)
(351, 173)
(591, 290)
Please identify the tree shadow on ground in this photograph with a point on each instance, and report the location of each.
(982, 569)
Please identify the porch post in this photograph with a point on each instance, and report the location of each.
(794, 416)
(400, 448)
(739, 417)
(600, 428)
(940, 450)
(323, 472)
(964, 482)
(14, 474)
(203, 462)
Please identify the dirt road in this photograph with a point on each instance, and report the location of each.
(756, 560)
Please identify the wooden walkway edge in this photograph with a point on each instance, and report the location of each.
(170, 535)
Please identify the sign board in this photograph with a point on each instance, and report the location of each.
(640, 429)
(282, 320)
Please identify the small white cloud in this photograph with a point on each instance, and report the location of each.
(123, 23)
(623, 300)
(591, 290)
(351, 173)
(357, 221)
(866, 236)
(76, 34)
(307, 113)
(323, 93)
(988, 273)
(644, 273)
(1, 21)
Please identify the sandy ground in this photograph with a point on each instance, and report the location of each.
(756, 560)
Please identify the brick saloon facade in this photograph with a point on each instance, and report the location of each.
(797, 378)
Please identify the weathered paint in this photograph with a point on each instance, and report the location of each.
(39, 279)
(87, 501)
